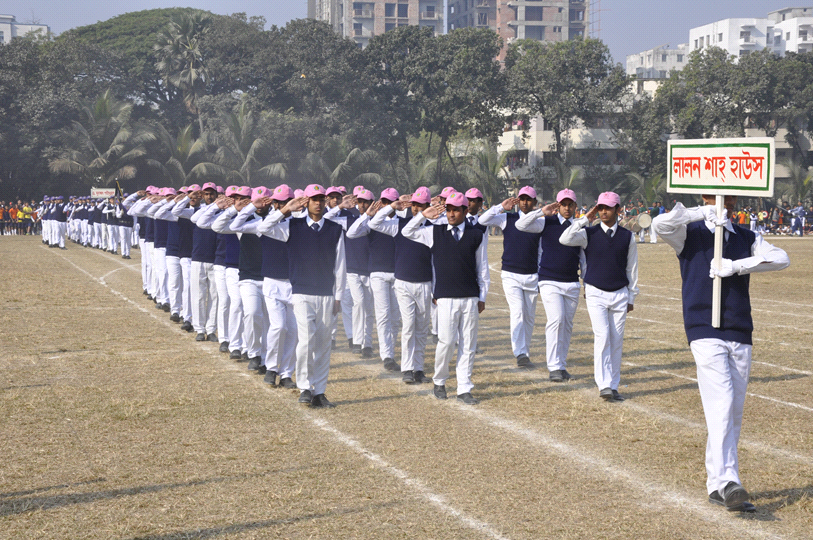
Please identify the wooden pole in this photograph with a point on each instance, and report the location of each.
(716, 295)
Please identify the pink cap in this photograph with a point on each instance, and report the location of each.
(391, 194)
(447, 191)
(422, 196)
(527, 190)
(357, 189)
(231, 190)
(333, 189)
(194, 187)
(152, 190)
(209, 185)
(219, 189)
(342, 189)
(457, 199)
(245, 191)
(149, 189)
(259, 193)
(298, 193)
(314, 190)
(474, 193)
(184, 189)
(567, 194)
(282, 193)
(168, 191)
(608, 198)
(365, 194)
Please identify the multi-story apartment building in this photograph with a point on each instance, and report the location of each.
(362, 20)
(10, 28)
(658, 62)
(543, 20)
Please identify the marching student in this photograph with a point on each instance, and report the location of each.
(558, 272)
(185, 206)
(204, 249)
(722, 355)
(382, 278)
(520, 268)
(475, 198)
(159, 252)
(610, 284)
(460, 263)
(175, 283)
(335, 196)
(316, 287)
(413, 283)
(60, 221)
(125, 222)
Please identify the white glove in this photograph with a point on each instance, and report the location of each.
(727, 268)
(710, 214)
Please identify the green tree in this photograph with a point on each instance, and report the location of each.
(487, 171)
(175, 157)
(799, 184)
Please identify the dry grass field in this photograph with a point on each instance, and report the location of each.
(116, 424)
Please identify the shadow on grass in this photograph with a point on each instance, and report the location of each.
(784, 498)
(49, 488)
(236, 528)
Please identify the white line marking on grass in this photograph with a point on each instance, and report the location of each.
(437, 500)
(753, 298)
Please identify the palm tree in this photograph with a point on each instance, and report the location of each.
(103, 147)
(409, 177)
(488, 172)
(182, 153)
(648, 190)
(798, 185)
(337, 164)
(180, 59)
(242, 156)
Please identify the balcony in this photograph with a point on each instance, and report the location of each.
(362, 33)
(430, 16)
(363, 14)
(748, 42)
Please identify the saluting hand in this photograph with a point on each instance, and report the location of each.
(591, 215)
(509, 203)
(263, 203)
(434, 211)
(179, 197)
(224, 202)
(294, 205)
(242, 203)
(348, 201)
(550, 209)
(400, 204)
(375, 207)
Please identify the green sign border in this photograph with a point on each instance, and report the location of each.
(767, 187)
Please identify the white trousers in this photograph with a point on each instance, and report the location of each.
(386, 312)
(85, 236)
(174, 284)
(457, 319)
(560, 301)
(653, 236)
(281, 338)
(113, 237)
(61, 229)
(125, 234)
(223, 303)
(236, 337)
(723, 368)
(204, 297)
(641, 234)
(97, 235)
(347, 316)
(362, 309)
(608, 314)
(159, 260)
(146, 264)
(186, 292)
(521, 298)
(414, 302)
(314, 316)
(255, 318)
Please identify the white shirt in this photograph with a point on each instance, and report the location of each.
(671, 228)
(425, 235)
(575, 235)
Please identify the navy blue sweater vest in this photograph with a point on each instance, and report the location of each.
(161, 231)
(695, 261)
(477, 225)
(309, 264)
(142, 225)
(91, 217)
(185, 238)
(275, 258)
(204, 244)
(251, 257)
(149, 229)
(520, 253)
(59, 213)
(227, 252)
(357, 252)
(606, 258)
(173, 238)
(455, 262)
(382, 252)
(413, 260)
(125, 220)
(558, 263)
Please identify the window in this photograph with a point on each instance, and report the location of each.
(802, 35)
(482, 19)
(720, 37)
(778, 39)
(430, 11)
(787, 36)
(641, 58)
(403, 10)
(451, 26)
(2, 38)
(662, 74)
(701, 42)
(389, 10)
(451, 10)
(577, 32)
(695, 44)
(744, 53)
(680, 58)
(535, 32)
(357, 29)
(745, 37)
(389, 26)
(663, 58)
(533, 13)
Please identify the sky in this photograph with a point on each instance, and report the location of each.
(627, 26)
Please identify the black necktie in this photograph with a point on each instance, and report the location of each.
(456, 233)
(315, 227)
(471, 221)
(610, 233)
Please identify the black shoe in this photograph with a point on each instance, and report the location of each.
(262, 370)
(211, 337)
(187, 326)
(408, 376)
(224, 346)
(159, 305)
(287, 383)
(254, 363)
(125, 256)
(560, 375)
(270, 377)
(235, 355)
(715, 498)
(523, 360)
(439, 391)
(320, 401)
(244, 357)
(617, 396)
(467, 399)
(305, 397)
(367, 352)
(420, 377)
(350, 344)
(391, 365)
(175, 317)
(734, 496)
(165, 307)
(149, 296)
(435, 339)
(200, 337)
(333, 345)
(356, 349)
(145, 293)
(63, 247)
(606, 394)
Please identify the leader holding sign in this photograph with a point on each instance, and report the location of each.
(716, 258)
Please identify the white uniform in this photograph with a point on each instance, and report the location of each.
(204, 289)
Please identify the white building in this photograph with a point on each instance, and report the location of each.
(658, 62)
(10, 28)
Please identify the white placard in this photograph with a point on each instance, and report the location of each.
(102, 193)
